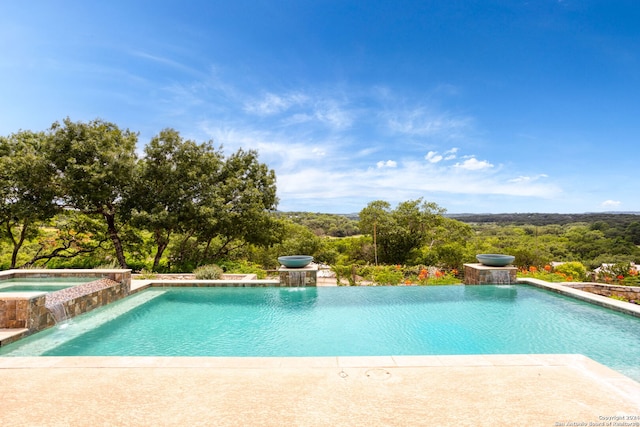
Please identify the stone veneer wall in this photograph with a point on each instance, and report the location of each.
(308, 276)
(632, 293)
(32, 313)
(21, 312)
(478, 274)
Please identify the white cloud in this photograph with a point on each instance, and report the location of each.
(450, 154)
(433, 157)
(318, 152)
(420, 122)
(474, 164)
(356, 186)
(278, 150)
(387, 164)
(299, 108)
(523, 178)
(271, 103)
(610, 203)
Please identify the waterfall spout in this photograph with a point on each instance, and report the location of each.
(500, 277)
(298, 277)
(58, 312)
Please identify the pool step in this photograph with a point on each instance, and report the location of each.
(10, 335)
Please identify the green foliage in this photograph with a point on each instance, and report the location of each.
(548, 276)
(321, 224)
(175, 188)
(295, 240)
(619, 298)
(243, 267)
(619, 273)
(28, 189)
(95, 162)
(397, 233)
(147, 275)
(386, 275)
(208, 272)
(246, 195)
(630, 280)
(345, 272)
(573, 269)
(394, 275)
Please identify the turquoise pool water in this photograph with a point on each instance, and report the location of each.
(443, 320)
(42, 284)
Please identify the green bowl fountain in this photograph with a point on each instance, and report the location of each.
(295, 261)
(495, 260)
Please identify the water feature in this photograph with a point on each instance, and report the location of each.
(296, 278)
(500, 277)
(58, 311)
(480, 274)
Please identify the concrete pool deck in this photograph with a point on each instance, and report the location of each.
(535, 390)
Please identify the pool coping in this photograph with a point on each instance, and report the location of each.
(565, 288)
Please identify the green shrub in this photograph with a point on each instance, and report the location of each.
(208, 272)
(575, 271)
(547, 276)
(147, 275)
(243, 267)
(387, 275)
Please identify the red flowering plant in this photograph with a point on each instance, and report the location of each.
(399, 275)
(566, 272)
(620, 274)
(423, 275)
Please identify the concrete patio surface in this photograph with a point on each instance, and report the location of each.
(520, 390)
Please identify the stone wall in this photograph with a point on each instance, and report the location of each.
(479, 274)
(298, 277)
(22, 312)
(35, 311)
(631, 293)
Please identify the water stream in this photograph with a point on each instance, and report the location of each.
(500, 277)
(58, 312)
(296, 279)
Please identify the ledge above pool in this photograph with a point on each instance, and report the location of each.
(570, 289)
(228, 280)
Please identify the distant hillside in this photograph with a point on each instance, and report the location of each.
(323, 224)
(547, 218)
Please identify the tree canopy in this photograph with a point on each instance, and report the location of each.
(96, 165)
(28, 188)
(178, 187)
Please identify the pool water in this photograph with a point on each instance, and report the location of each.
(345, 321)
(42, 284)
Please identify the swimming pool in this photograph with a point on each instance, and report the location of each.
(41, 284)
(345, 321)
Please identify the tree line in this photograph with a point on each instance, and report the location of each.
(82, 188)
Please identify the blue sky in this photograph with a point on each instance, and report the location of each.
(479, 106)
